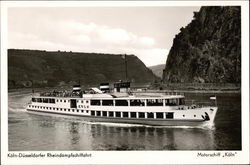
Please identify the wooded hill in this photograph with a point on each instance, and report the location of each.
(45, 68)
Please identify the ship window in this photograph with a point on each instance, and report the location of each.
(65, 101)
(194, 115)
(82, 111)
(73, 110)
(169, 115)
(53, 108)
(183, 115)
(45, 100)
(133, 114)
(82, 101)
(33, 99)
(87, 101)
(141, 115)
(137, 102)
(171, 102)
(104, 113)
(154, 102)
(69, 110)
(39, 100)
(117, 114)
(95, 102)
(181, 101)
(51, 100)
(50, 108)
(125, 114)
(121, 102)
(111, 114)
(159, 115)
(92, 113)
(98, 113)
(150, 115)
(87, 111)
(107, 102)
(77, 110)
(60, 100)
(64, 109)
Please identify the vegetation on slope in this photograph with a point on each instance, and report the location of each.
(208, 50)
(43, 68)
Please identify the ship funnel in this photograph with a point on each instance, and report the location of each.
(104, 87)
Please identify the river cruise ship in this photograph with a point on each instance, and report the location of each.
(122, 106)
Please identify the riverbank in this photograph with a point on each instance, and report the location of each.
(149, 90)
(197, 87)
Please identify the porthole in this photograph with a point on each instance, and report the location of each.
(194, 115)
(183, 115)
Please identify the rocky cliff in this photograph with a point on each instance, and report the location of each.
(208, 50)
(43, 68)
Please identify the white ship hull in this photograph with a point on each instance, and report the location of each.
(188, 117)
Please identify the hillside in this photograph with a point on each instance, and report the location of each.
(208, 50)
(44, 68)
(157, 69)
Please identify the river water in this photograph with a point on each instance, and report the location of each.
(52, 132)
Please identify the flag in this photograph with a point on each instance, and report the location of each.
(212, 97)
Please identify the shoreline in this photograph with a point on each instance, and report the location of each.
(205, 90)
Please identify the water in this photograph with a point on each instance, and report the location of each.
(50, 132)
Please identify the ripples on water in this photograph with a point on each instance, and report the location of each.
(48, 132)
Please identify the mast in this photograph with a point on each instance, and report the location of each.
(126, 69)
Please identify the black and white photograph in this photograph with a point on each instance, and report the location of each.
(124, 78)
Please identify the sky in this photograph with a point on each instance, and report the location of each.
(146, 32)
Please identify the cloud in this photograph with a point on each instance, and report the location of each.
(90, 37)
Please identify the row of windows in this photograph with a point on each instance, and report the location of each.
(50, 100)
(59, 109)
(149, 115)
(158, 115)
(134, 102)
(139, 102)
(43, 100)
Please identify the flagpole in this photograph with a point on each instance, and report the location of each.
(215, 100)
(126, 73)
